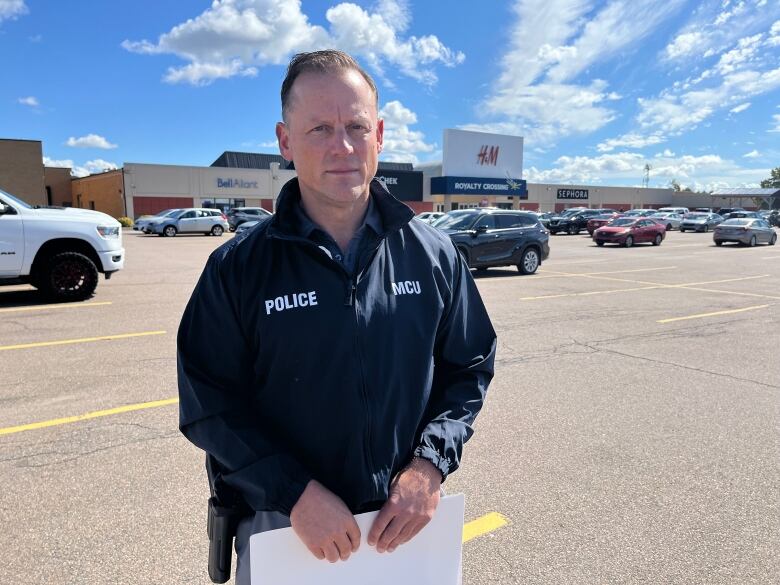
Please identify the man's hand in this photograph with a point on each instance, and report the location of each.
(324, 524)
(414, 496)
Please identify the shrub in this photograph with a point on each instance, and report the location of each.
(125, 221)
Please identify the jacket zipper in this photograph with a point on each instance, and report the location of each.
(351, 301)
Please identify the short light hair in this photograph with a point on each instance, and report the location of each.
(324, 62)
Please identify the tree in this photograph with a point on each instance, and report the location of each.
(675, 185)
(773, 180)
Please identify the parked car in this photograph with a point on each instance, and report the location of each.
(429, 216)
(669, 220)
(238, 215)
(772, 216)
(742, 214)
(744, 230)
(247, 225)
(627, 231)
(544, 217)
(704, 210)
(700, 222)
(573, 222)
(595, 223)
(211, 222)
(677, 210)
(639, 212)
(497, 237)
(725, 210)
(142, 223)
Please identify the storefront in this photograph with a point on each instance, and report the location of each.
(478, 169)
(151, 188)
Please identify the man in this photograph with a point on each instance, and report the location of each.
(333, 359)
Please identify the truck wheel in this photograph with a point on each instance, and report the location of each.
(68, 276)
(571, 230)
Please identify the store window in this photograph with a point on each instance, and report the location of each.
(223, 204)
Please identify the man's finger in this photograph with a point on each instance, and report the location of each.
(406, 534)
(317, 552)
(353, 532)
(331, 552)
(391, 531)
(344, 546)
(380, 522)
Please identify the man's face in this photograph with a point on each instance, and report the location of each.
(333, 136)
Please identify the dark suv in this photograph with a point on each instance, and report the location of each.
(573, 221)
(239, 215)
(497, 237)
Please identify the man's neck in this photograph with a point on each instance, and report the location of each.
(341, 223)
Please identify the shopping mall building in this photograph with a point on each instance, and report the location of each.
(477, 169)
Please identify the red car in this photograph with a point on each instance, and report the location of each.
(627, 231)
(600, 220)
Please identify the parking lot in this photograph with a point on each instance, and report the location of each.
(631, 434)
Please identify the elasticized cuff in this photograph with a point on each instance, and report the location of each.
(439, 462)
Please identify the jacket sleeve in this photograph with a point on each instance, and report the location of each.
(463, 367)
(216, 379)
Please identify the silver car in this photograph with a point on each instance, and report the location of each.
(700, 222)
(211, 222)
(668, 219)
(429, 216)
(142, 223)
(746, 230)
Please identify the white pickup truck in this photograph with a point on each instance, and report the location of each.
(60, 251)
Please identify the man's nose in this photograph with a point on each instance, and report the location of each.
(342, 142)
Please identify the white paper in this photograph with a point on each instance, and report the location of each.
(278, 557)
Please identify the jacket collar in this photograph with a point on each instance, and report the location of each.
(286, 221)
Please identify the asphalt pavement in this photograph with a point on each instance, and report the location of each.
(631, 434)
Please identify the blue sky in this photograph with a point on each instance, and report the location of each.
(598, 89)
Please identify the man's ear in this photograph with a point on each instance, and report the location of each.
(380, 132)
(283, 136)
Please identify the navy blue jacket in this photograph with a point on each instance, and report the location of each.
(291, 369)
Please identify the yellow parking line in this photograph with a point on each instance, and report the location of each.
(96, 414)
(701, 315)
(58, 306)
(483, 525)
(82, 340)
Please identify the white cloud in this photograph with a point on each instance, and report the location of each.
(627, 168)
(91, 167)
(553, 42)
(705, 36)
(671, 112)
(90, 141)
(685, 44)
(31, 101)
(11, 9)
(50, 162)
(400, 143)
(740, 108)
(727, 15)
(615, 28)
(234, 37)
(776, 119)
(630, 140)
(746, 49)
(752, 154)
